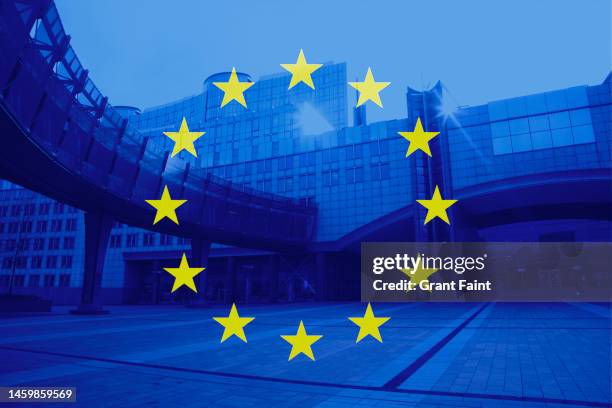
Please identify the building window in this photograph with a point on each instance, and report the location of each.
(51, 261)
(544, 131)
(66, 261)
(267, 185)
(308, 159)
(385, 171)
(380, 171)
(18, 280)
(182, 241)
(68, 242)
(39, 244)
(49, 281)
(285, 184)
(3, 211)
(41, 226)
(4, 280)
(330, 178)
(34, 281)
(148, 239)
(43, 209)
(350, 175)
(11, 244)
(383, 147)
(115, 241)
(15, 210)
(248, 168)
(326, 178)
(36, 262)
(24, 244)
(165, 239)
(1, 227)
(29, 209)
(56, 225)
(64, 280)
(353, 152)
(7, 262)
(131, 240)
(71, 224)
(26, 226)
(21, 262)
(54, 243)
(303, 181)
(289, 162)
(58, 208)
(13, 227)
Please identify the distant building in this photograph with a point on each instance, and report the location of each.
(298, 143)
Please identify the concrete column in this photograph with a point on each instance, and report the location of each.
(274, 278)
(247, 286)
(320, 278)
(230, 281)
(97, 234)
(463, 227)
(290, 295)
(200, 250)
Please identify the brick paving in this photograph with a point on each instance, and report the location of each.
(432, 355)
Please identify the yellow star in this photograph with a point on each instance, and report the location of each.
(166, 207)
(301, 71)
(233, 89)
(301, 342)
(369, 89)
(184, 275)
(419, 274)
(233, 324)
(436, 207)
(418, 139)
(369, 324)
(183, 139)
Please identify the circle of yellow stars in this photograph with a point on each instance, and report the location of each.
(233, 90)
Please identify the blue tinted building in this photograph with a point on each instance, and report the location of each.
(529, 168)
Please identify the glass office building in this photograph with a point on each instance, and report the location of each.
(567, 129)
(298, 143)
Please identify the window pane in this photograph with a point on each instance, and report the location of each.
(580, 117)
(500, 129)
(358, 174)
(497, 110)
(559, 120)
(583, 134)
(576, 97)
(561, 137)
(538, 123)
(516, 107)
(521, 143)
(556, 101)
(502, 145)
(519, 126)
(350, 176)
(536, 104)
(541, 140)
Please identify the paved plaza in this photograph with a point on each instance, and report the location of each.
(432, 355)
